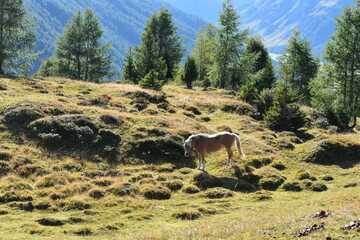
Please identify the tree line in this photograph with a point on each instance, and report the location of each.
(224, 56)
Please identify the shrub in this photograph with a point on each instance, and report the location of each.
(292, 186)
(73, 204)
(327, 178)
(151, 81)
(67, 131)
(301, 175)
(259, 162)
(191, 189)
(192, 109)
(84, 232)
(4, 168)
(249, 92)
(188, 214)
(21, 116)
(278, 165)
(156, 192)
(218, 193)
(50, 222)
(103, 182)
(111, 120)
(122, 189)
(96, 193)
(5, 156)
(174, 185)
(318, 187)
(205, 180)
(15, 196)
(262, 195)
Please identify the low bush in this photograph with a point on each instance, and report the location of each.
(174, 185)
(84, 232)
(20, 116)
(218, 193)
(191, 189)
(318, 187)
(156, 192)
(292, 186)
(96, 193)
(66, 131)
(188, 214)
(15, 196)
(4, 168)
(50, 222)
(204, 180)
(123, 189)
(301, 175)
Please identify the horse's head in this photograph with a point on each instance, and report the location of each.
(188, 144)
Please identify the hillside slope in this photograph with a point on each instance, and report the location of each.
(106, 161)
(122, 21)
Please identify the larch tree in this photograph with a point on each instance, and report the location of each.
(17, 38)
(79, 53)
(203, 52)
(340, 74)
(229, 45)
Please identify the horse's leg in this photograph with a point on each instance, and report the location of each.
(203, 161)
(230, 160)
(200, 161)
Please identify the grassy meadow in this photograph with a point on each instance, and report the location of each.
(105, 161)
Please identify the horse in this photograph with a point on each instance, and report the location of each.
(203, 143)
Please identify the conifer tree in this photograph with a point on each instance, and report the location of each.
(17, 38)
(297, 65)
(129, 70)
(160, 47)
(203, 52)
(229, 46)
(336, 91)
(79, 54)
(262, 64)
(190, 72)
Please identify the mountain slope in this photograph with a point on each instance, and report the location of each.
(122, 21)
(274, 21)
(106, 161)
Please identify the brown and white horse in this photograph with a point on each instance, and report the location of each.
(203, 143)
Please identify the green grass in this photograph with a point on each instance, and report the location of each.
(103, 194)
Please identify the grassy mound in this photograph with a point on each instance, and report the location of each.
(341, 150)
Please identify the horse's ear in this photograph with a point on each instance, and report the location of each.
(194, 139)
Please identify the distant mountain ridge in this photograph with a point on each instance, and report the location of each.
(122, 21)
(274, 20)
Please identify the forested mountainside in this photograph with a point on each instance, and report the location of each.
(274, 21)
(122, 21)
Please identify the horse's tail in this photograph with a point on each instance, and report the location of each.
(238, 145)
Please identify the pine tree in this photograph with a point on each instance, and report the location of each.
(230, 42)
(297, 65)
(190, 72)
(17, 38)
(160, 47)
(79, 53)
(169, 43)
(340, 75)
(262, 64)
(129, 70)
